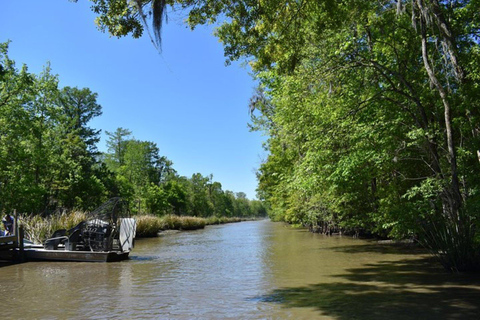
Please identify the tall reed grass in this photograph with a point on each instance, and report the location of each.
(221, 220)
(149, 225)
(38, 229)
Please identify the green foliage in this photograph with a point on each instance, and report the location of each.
(156, 199)
(176, 195)
(359, 141)
(371, 108)
(47, 150)
(118, 17)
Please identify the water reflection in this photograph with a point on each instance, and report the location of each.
(250, 270)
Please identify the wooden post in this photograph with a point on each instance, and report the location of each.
(21, 251)
(15, 223)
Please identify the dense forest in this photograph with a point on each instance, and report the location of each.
(371, 108)
(49, 158)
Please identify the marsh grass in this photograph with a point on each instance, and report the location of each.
(150, 225)
(221, 220)
(38, 229)
(147, 226)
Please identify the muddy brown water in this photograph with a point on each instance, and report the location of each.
(248, 270)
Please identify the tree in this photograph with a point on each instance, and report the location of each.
(47, 149)
(78, 107)
(176, 193)
(201, 204)
(140, 171)
(122, 17)
(116, 145)
(16, 184)
(77, 183)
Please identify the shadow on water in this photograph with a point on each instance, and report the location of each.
(405, 289)
(374, 247)
(4, 263)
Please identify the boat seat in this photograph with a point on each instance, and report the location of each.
(72, 241)
(59, 233)
(52, 243)
(79, 226)
(58, 237)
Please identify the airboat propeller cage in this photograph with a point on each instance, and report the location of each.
(109, 227)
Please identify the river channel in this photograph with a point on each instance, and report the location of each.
(248, 270)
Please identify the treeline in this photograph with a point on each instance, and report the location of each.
(372, 109)
(49, 157)
(150, 183)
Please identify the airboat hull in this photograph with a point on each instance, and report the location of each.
(76, 256)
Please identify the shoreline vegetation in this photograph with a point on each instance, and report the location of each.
(38, 228)
(149, 226)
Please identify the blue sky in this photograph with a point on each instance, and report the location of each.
(186, 100)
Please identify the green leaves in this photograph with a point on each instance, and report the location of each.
(346, 101)
(46, 148)
(119, 17)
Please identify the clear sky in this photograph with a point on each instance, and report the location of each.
(186, 100)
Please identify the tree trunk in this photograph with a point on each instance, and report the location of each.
(454, 198)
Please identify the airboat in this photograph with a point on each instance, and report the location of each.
(107, 235)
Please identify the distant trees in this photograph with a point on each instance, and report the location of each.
(151, 184)
(49, 156)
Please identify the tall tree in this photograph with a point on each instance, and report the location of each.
(116, 144)
(47, 149)
(77, 182)
(78, 108)
(15, 87)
